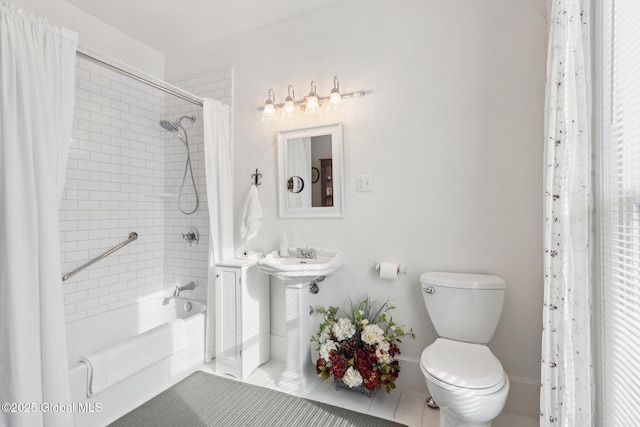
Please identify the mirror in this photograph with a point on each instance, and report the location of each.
(295, 184)
(311, 172)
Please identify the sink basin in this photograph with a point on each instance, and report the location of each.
(295, 270)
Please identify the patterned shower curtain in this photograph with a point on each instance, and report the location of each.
(566, 392)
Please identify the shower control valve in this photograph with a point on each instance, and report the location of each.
(192, 236)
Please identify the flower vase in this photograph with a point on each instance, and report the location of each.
(360, 389)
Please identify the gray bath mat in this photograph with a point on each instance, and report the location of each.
(205, 400)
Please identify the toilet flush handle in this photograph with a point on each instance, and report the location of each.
(430, 290)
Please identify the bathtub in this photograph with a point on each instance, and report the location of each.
(86, 336)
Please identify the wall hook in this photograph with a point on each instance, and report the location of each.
(255, 178)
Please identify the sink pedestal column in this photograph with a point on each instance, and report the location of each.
(299, 376)
(296, 274)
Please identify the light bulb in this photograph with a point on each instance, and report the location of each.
(269, 110)
(289, 109)
(312, 107)
(335, 99)
(335, 102)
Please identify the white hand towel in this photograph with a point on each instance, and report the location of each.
(252, 215)
(113, 364)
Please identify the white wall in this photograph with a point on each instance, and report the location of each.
(97, 35)
(452, 135)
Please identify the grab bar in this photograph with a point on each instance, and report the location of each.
(132, 236)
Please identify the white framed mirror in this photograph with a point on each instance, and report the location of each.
(311, 169)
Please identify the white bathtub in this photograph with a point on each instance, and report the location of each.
(91, 334)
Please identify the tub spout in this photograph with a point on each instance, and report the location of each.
(188, 287)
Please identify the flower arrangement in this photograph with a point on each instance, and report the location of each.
(360, 350)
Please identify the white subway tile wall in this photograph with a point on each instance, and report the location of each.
(182, 262)
(123, 174)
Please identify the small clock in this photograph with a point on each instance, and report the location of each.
(315, 174)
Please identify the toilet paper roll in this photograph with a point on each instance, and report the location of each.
(389, 270)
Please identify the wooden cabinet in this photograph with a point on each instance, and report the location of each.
(242, 327)
(326, 182)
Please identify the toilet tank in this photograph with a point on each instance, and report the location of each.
(463, 307)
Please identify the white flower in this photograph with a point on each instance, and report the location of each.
(384, 346)
(384, 358)
(326, 349)
(325, 334)
(352, 378)
(382, 352)
(364, 322)
(343, 329)
(372, 334)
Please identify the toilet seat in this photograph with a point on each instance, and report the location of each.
(460, 365)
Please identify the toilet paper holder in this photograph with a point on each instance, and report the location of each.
(402, 269)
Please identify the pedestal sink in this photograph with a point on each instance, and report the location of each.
(296, 275)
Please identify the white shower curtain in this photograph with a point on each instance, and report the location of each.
(37, 71)
(299, 164)
(566, 392)
(219, 174)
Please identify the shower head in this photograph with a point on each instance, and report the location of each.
(174, 126)
(170, 126)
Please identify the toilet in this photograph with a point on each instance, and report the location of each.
(463, 376)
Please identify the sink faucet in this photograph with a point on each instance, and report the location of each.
(306, 253)
(188, 287)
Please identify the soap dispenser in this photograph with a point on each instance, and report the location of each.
(284, 246)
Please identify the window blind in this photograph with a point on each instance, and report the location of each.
(620, 212)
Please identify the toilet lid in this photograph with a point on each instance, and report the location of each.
(462, 364)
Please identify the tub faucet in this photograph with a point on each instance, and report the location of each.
(188, 287)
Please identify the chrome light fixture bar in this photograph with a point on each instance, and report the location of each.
(311, 103)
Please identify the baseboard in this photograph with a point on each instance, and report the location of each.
(524, 393)
(524, 397)
(278, 348)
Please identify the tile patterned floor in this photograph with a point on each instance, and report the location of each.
(403, 406)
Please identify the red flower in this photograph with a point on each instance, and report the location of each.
(395, 369)
(371, 382)
(321, 365)
(338, 367)
(393, 350)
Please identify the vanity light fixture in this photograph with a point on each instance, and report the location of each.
(289, 104)
(269, 110)
(312, 107)
(310, 103)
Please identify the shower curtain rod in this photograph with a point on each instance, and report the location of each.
(141, 79)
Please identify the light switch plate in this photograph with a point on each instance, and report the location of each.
(364, 183)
